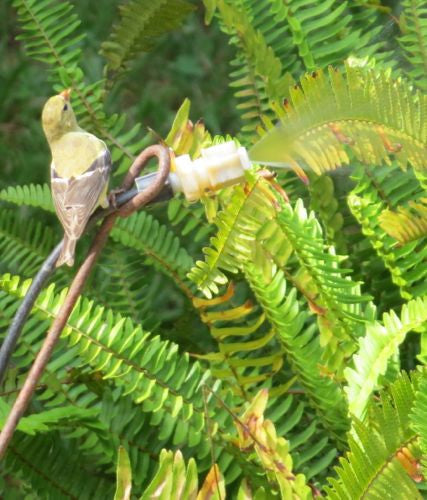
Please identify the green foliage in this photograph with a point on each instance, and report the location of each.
(302, 347)
(378, 346)
(363, 110)
(141, 22)
(414, 39)
(407, 224)
(165, 383)
(276, 41)
(237, 227)
(47, 21)
(259, 75)
(54, 468)
(377, 190)
(173, 476)
(418, 417)
(381, 450)
(148, 369)
(24, 248)
(247, 352)
(124, 476)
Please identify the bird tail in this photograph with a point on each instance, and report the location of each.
(67, 252)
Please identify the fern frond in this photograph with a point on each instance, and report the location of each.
(190, 220)
(49, 420)
(61, 384)
(380, 189)
(248, 209)
(413, 25)
(377, 464)
(378, 346)
(141, 23)
(124, 284)
(258, 77)
(363, 110)
(248, 353)
(23, 247)
(272, 451)
(33, 195)
(143, 233)
(301, 346)
(418, 417)
(151, 371)
(376, 31)
(334, 296)
(406, 224)
(268, 17)
(50, 32)
(316, 32)
(55, 468)
(173, 476)
(118, 419)
(324, 203)
(123, 474)
(311, 445)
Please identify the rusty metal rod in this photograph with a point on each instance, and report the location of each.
(43, 356)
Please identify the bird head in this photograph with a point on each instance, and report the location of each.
(58, 116)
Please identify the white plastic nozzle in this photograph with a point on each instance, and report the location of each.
(218, 166)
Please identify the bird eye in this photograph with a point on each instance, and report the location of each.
(65, 107)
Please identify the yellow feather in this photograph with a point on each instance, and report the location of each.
(75, 152)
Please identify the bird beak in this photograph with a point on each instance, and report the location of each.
(66, 94)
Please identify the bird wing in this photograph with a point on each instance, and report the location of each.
(76, 198)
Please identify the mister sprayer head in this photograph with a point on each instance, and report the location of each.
(217, 167)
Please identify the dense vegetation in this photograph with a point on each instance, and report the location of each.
(270, 340)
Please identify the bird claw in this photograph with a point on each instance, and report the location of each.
(112, 197)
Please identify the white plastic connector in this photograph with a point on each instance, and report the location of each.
(217, 167)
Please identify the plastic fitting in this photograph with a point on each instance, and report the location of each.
(217, 167)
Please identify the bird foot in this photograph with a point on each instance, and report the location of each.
(112, 197)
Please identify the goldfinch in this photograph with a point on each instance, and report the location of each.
(80, 168)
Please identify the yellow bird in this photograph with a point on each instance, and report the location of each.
(80, 168)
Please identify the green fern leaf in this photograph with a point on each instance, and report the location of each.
(124, 475)
(48, 420)
(248, 209)
(419, 417)
(151, 371)
(374, 467)
(258, 77)
(173, 476)
(50, 31)
(190, 220)
(380, 343)
(363, 110)
(141, 232)
(55, 468)
(302, 348)
(333, 295)
(406, 224)
(162, 248)
(23, 247)
(248, 353)
(32, 195)
(414, 39)
(141, 23)
(383, 188)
